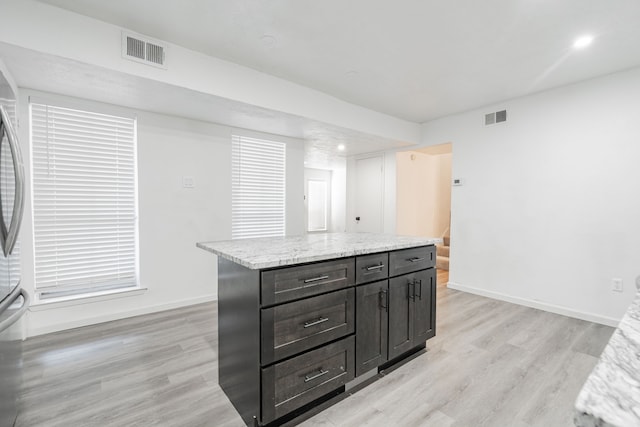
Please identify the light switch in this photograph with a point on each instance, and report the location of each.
(188, 182)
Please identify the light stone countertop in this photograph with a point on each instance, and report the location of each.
(280, 251)
(611, 395)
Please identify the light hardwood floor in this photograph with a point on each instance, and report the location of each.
(491, 364)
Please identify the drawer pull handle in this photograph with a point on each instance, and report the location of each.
(311, 323)
(416, 259)
(375, 267)
(315, 279)
(310, 377)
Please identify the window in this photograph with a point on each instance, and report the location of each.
(84, 201)
(257, 187)
(317, 194)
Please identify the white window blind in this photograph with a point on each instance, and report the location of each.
(84, 201)
(258, 188)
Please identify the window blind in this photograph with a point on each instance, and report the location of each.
(84, 201)
(257, 187)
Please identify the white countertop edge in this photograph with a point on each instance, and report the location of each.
(610, 396)
(391, 243)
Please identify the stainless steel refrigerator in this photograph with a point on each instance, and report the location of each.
(14, 301)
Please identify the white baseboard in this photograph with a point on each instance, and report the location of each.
(32, 332)
(596, 318)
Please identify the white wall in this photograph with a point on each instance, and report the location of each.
(389, 204)
(550, 209)
(171, 218)
(338, 195)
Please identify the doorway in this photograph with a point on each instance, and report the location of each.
(423, 198)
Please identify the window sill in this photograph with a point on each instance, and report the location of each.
(51, 303)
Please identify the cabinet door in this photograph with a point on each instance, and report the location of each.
(371, 325)
(400, 315)
(424, 313)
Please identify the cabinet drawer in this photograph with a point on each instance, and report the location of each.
(413, 259)
(294, 327)
(370, 268)
(289, 283)
(293, 383)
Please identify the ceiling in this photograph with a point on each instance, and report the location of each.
(54, 74)
(412, 59)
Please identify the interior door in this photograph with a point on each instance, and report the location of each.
(369, 195)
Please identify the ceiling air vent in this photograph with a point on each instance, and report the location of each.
(497, 117)
(143, 49)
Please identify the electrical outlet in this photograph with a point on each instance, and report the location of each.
(616, 285)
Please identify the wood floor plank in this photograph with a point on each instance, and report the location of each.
(491, 364)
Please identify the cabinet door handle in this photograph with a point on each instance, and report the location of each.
(411, 290)
(420, 283)
(310, 377)
(375, 267)
(415, 259)
(384, 300)
(315, 322)
(315, 279)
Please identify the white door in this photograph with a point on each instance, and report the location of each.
(369, 195)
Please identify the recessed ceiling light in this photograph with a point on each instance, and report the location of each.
(268, 40)
(582, 42)
(341, 147)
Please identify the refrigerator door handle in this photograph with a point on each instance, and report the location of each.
(15, 316)
(10, 236)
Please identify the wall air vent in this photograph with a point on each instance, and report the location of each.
(497, 117)
(489, 119)
(144, 50)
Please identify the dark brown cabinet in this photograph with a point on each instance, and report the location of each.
(411, 311)
(424, 303)
(292, 337)
(372, 324)
(395, 315)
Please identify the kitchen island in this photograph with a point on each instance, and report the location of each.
(303, 319)
(611, 395)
